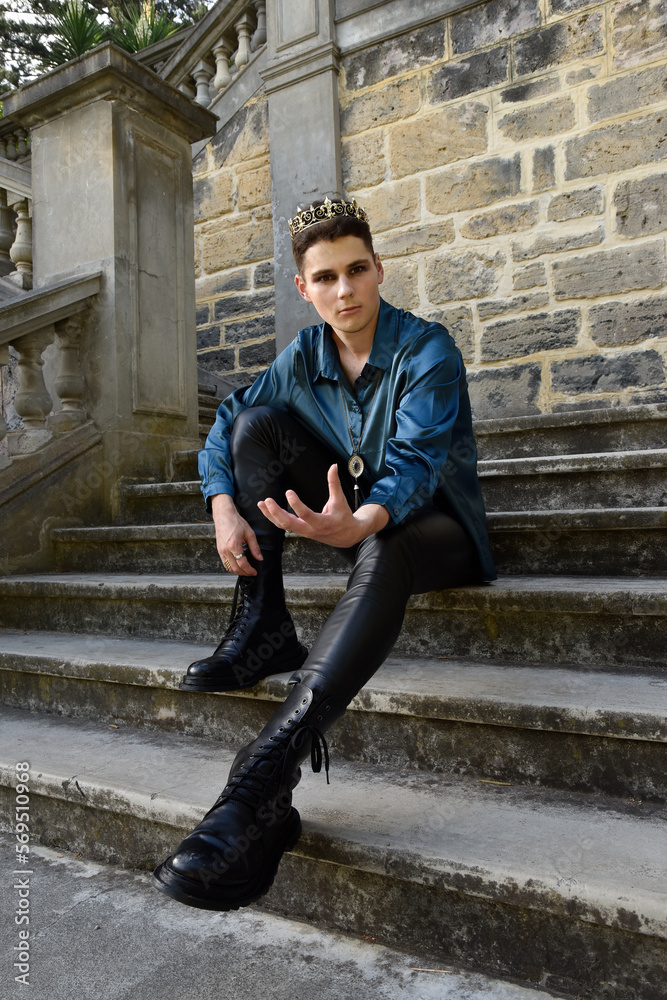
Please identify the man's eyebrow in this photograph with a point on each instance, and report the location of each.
(330, 270)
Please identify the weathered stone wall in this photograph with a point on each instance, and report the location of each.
(512, 158)
(234, 246)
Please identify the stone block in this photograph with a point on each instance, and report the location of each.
(563, 42)
(505, 392)
(641, 206)
(598, 373)
(538, 120)
(514, 338)
(407, 52)
(617, 147)
(400, 284)
(426, 237)
(576, 204)
(499, 221)
(363, 161)
(237, 245)
(639, 32)
(492, 22)
(528, 91)
(212, 195)
(219, 362)
(458, 320)
(258, 328)
(242, 305)
(437, 138)
(583, 75)
(626, 93)
(394, 205)
(235, 281)
(463, 274)
(257, 355)
(244, 137)
(202, 315)
(473, 185)
(546, 243)
(610, 272)
(254, 188)
(398, 100)
(567, 6)
(208, 337)
(544, 169)
(532, 276)
(613, 324)
(477, 72)
(516, 303)
(263, 274)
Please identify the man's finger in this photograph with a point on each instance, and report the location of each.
(299, 508)
(335, 488)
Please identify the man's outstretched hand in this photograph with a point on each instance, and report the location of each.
(336, 525)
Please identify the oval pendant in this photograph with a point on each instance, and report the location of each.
(355, 466)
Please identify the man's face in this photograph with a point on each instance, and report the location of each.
(342, 279)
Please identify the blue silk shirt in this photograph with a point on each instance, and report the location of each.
(409, 405)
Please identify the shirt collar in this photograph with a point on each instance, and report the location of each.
(382, 350)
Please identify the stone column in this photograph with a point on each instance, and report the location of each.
(112, 191)
(304, 133)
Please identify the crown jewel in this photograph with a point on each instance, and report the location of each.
(307, 217)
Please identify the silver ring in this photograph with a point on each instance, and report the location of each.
(240, 556)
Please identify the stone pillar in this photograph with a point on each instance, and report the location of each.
(304, 133)
(112, 191)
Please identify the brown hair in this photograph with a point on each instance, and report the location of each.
(330, 229)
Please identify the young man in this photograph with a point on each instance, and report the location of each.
(362, 427)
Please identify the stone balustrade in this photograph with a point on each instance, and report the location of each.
(219, 48)
(16, 221)
(30, 325)
(14, 143)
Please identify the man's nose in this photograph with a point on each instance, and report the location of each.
(344, 287)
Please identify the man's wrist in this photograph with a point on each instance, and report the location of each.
(373, 517)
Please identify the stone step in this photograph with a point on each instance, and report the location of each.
(574, 432)
(184, 465)
(457, 868)
(627, 541)
(604, 480)
(602, 621)
(567, 728)
(170, 956)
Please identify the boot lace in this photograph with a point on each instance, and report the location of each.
(240, 613)
(253, 786)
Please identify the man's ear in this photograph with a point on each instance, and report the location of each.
(301, 287)
(380, 269)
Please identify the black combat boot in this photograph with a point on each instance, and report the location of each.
(260, 639)
(230, 859)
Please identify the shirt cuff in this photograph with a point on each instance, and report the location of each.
(407, 495)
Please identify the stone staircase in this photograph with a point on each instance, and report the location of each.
(498, 789)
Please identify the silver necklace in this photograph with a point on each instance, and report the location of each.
(355, 465)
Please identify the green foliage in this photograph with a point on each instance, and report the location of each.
(76, 29)
(140, 27)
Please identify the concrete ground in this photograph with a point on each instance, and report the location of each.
(99, 932)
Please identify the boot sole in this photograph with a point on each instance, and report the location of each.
(293, 663)
(183, 889)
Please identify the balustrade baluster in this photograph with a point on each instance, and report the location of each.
(243, 28)
(69, 384)
(12, 153)
(259, 38)
(21, 250)
(32, 401)
(223, 77)
(202, 74)
(6, 233)
(22, 143)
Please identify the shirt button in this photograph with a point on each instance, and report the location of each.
(397, 511)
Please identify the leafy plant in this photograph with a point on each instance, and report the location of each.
(76, 29)
(141, 26)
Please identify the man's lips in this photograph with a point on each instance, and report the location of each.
(348, 309)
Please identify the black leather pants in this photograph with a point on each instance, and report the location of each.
(272, 452)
